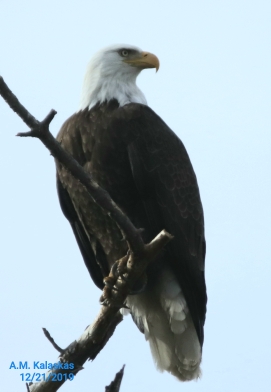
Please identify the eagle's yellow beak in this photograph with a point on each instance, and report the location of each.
(144, 60)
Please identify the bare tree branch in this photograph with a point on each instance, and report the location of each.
(15, 105)
(41, 131)
(115, 384)
(87, 347)
(51, 340)
(121, 279)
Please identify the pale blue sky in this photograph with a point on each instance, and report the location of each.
(213, 89)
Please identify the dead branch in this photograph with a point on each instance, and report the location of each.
(41, 131)
(115, 384)
(51, 340)
(120, 281)
(87, 347)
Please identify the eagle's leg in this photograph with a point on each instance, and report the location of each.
(119, 270)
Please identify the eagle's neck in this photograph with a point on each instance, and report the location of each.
(121, 87)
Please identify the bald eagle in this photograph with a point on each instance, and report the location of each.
(134, 155)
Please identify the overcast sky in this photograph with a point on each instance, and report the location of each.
(213, 90)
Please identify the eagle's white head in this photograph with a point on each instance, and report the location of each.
(112, 73)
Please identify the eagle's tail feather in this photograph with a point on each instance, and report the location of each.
(163, 315)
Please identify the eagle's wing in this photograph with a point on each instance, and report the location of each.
(70, 136)
(167, 185)
(97, 270)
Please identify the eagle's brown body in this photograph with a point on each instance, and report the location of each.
(143, 165)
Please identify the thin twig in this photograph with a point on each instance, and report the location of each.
(114, 386)
(51, 340)
(15, 105)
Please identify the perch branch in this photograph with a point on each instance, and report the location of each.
(140, 255)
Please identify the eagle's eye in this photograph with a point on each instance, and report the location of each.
(124, 53)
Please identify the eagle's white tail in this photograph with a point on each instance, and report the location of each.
(162, 314)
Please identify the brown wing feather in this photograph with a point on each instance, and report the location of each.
(145, 168)
(168, 186)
